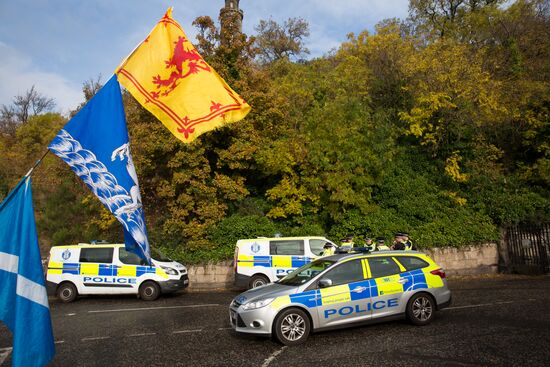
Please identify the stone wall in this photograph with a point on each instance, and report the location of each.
(482, 259)
(211, 276)
(471, 260)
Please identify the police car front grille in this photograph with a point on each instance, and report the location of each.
(240, 322)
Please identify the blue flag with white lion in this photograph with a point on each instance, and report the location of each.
(95, 144)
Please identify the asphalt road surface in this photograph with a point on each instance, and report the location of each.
(498, 321)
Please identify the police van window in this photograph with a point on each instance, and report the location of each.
(288, 247)
(382, 266)
(316, 246)
(411, 262)
(348, 272)
(96, 255)
(129, 258)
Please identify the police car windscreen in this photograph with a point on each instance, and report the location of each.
(306, 272)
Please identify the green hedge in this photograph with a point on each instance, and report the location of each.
(225, 235)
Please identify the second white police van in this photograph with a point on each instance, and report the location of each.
(104, 268)
(259, 261)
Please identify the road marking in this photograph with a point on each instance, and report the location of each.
(479, 305)
(186, 331)
(142, 334)
(4, 353)
(70, 314)
(469, 306)
(225, 328)
(95, 338)
(154, 308)
(273, 356)
(60, 342)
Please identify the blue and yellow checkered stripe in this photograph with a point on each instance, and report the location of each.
(103, 269)
(326, 296)
(416, 279)
(275, 261)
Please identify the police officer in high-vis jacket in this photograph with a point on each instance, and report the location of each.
(381, 244)
(402, 242)
(346, 243)
(408, 244)
(328, 249)
(370, 245)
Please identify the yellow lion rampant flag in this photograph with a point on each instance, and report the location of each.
(166, 74)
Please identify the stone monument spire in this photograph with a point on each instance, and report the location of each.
(231, 20)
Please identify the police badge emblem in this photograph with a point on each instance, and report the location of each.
(66, 254)
(255, 248)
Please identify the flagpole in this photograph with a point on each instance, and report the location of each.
(37, 163)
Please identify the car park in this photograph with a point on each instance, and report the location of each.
(103, 268)
(262, 260)
(343, 290)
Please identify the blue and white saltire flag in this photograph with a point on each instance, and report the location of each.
(94, 143)
(23, 300)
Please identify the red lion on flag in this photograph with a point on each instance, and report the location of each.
(181, 56)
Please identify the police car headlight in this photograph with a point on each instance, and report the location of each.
(257, 304)
(169, 271)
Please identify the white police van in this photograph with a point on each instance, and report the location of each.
(105, 268)
(262, 260)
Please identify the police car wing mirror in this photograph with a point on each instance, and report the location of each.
(324, 283)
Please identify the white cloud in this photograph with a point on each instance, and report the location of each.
(18, 74)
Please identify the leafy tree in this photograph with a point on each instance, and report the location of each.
(24, 106)
(208, 36)
(275, 41)
(443, 18)
(437, 125)
(31, 103)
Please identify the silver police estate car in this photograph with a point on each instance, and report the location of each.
(342, 290)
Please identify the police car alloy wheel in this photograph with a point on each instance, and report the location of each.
(292, 327)
(258, 281)
(67, 292)
(421, 309)
(149, 291)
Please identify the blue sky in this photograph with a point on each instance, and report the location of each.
(56, 45)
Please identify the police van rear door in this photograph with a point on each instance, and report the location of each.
(348, 299)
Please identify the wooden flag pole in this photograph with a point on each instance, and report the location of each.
(37, 163)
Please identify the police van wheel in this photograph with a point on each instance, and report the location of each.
(421, 309)
(67, 292)
(257, 281)
(149, 291)
(292, 327)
